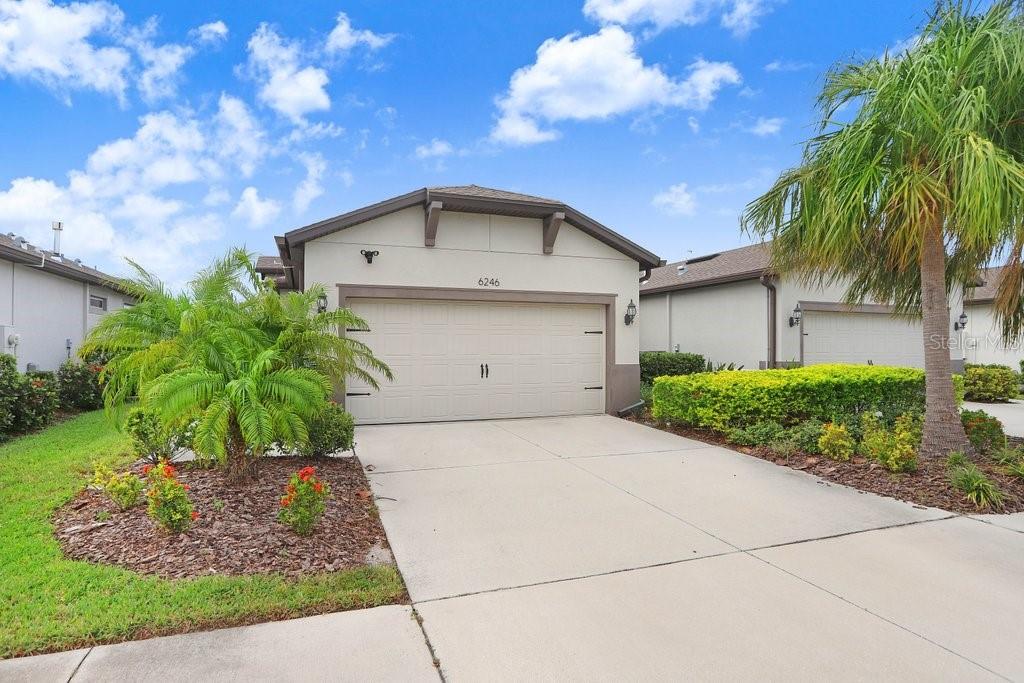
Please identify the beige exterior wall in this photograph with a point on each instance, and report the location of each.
(46, 310)
(474, 246)
(725, 323)
(982, 340)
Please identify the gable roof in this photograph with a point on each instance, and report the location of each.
(988, 280)
(462, 198)
(744, 263)
(18, 249)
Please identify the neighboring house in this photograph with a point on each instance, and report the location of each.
(485, 303)
(730, 308)
(48, 303)
(272, 268)
(982, 340)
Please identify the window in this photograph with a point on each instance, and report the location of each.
(97, 304)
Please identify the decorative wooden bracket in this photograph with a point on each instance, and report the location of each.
(551, 225)
(432, 214)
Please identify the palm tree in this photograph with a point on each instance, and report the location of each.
(918, 188)
(247, 365)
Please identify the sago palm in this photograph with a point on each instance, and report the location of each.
(920, 186)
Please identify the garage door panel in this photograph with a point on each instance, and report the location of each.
(878, 338)
(539, 358)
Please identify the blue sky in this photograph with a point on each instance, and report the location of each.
(165, 132)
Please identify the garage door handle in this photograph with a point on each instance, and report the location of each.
(487, 370)
(358, 394)
(481, 371)
(593, 387)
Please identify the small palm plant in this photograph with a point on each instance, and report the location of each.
(247, 366)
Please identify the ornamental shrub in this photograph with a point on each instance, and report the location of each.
(79, 385)
(168, 502)
(35, 402)
(990, 383)
(805, 435)
(124, 489)
(836, 442)
(983, 431)
(658, 363)
(9, 380)
(331, 430)
(153, 441)
(758, 434)
(304, 501)
(976, 487)
(830, 393)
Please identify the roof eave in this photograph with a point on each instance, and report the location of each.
(721, 280)
(34, 258)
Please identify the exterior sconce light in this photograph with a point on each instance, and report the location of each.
(630, 313)
(794, 319)
(321, 303)
(961, 322)
(369, 254)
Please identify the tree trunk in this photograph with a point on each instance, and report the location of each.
(241, 465)
(943, 431)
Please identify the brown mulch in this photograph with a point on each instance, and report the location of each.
(929, 485)
(237, 531)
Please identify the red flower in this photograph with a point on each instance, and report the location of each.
(146, 469)
(318, 487)
(306, 472)
(169, 470)
(186, 487)
(286, 501)
(195, 515)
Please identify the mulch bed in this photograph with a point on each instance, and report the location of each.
(929, 485)
(237, 531)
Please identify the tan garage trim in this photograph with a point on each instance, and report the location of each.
(832, 307)
(619, 379)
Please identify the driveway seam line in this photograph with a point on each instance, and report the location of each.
(430, 646)
(992, 524)
(79, 665)
(843, 534)
(878, 616)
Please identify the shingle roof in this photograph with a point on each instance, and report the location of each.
(491, 193)
(989, 278)
(269, 264)
(19, 249)
(727, 266)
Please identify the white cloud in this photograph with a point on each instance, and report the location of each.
(739, 16)
(240, 138)
(767, 126)
(596, 77)
(778, 65)
(54, 45)
(310, 188)
(161, 64)
(343, 37)
(347, 179)
(217, 196)
(676, 200)
(255, 211)
(694, 124)
(29, 204)
(287, 86)
(212, 33)
(434, 149)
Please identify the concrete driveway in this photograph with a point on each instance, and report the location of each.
(594, 548)
(591, 548)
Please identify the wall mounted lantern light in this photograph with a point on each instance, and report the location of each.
(794, 319)
(321, 303)
(961, 322)
(630, 313)
(368, 255)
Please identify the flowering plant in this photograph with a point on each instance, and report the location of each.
(304, 501)
(168, 501)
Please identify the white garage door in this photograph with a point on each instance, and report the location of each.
(861, 338)
(456, 360)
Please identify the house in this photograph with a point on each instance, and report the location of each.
(485, 303)
(982, 340)
(729, 307)
(48, 303)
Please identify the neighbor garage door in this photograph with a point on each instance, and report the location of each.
(877, 338)
(457, 360)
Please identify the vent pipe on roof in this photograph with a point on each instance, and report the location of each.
(58, 228)
(681, 269)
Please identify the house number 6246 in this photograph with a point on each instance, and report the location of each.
(489, 282)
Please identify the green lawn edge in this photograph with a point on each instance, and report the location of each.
(50, 603)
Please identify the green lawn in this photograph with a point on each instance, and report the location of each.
(49, 603)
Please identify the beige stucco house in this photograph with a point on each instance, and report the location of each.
(982, 340)
(485, 303)
(48, 303)
(729, 307)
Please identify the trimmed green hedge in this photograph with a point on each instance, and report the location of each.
(657, 363)
(994, 383)
(722, 400)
